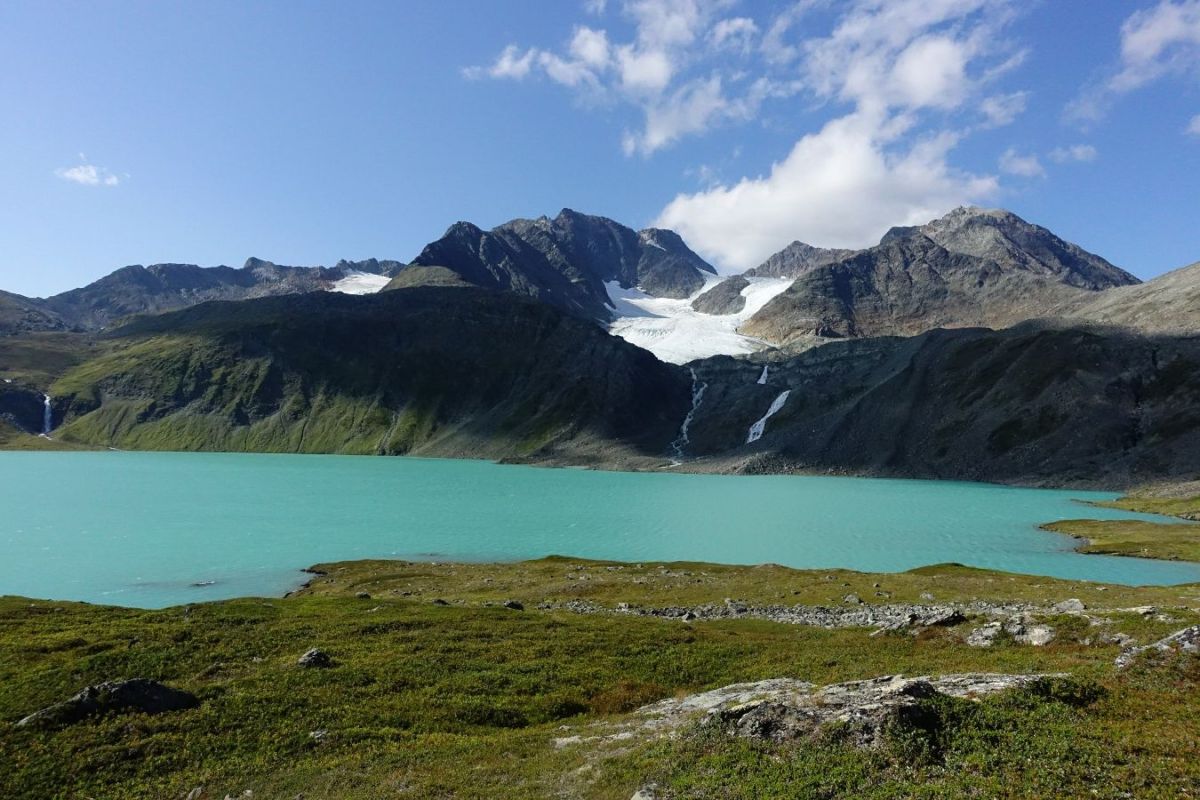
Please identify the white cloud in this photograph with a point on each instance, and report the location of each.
(1194, 126)
(590, 47)
(1027, 166)
(839, 187)
(735, 32)
(511, 63)
(1155, 42)
(879, 165)
(1002, 109)
(88, 174)
(1075, 152)
(644, 71)
(671, 38)
(596, 7)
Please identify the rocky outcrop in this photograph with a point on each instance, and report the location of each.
(1020, 628)
(1184, 641)
(723, 298)
(865, 710)
(782, 709)
(889, 616)
(566, 261)
(796, 259)
(140, 695)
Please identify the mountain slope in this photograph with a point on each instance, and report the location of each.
(796, 259)
(566, 261)
(1168, 304)
(973, 267)
(25, 315)
(166, 287)
(430, 371)
(1038, 404)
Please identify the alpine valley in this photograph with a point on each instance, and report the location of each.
(978, 346)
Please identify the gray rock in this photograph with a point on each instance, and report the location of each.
(315, 659)
(363, 595)
(515, 605)
(782, 709)
(985, 636)
(1184, 641)
(138, 695)
(1072, 606)
(852, 599)
(723, 298)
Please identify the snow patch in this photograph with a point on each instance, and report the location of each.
(357, 282)
(756, 430)
(677, 333)
(762, 379)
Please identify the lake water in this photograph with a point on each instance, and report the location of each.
(140, 529)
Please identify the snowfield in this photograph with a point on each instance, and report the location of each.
(675, 332)
(360, 283)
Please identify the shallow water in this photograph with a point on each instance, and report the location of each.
(140, 529)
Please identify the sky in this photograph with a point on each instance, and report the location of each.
(301, 132)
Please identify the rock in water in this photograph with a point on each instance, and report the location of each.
(315, 659)
(139, 694)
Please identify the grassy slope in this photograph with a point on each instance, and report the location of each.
(465, 700)
(427, 371)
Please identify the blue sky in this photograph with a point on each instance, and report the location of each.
(303, 132)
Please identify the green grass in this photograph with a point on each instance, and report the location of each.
(1170, 541)
(38, 359)
(465, 700)
(1186, 507)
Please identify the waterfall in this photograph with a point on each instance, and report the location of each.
(47, 415)
(762, 379)
(682, 440)
(756, 430)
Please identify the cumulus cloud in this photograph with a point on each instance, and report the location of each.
(898, 82)
(878, 165)
(1155, 42)
(1075, 152)
(669, 70)
(838, 187)
(86, 174)
(1026, 166)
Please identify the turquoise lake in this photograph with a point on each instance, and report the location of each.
(140, 529)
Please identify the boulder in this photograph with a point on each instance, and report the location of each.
(1072, 606)
(315, 659)
(514, 605)
(139, 695)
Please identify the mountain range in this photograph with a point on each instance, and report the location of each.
(977, 346)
